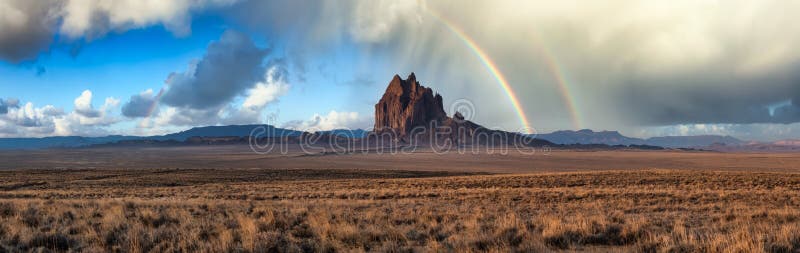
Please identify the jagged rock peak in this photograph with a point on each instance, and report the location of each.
(407, 104)
(413, 114)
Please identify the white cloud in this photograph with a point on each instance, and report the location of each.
(375, 21)
(333, 120)
(83, 105)
(747, 132)
(85, 120)
(28, 120)
(86, 114)
(223, 88)
(29, 26)
(104, 116)
(30, 116)
(97, 17)
(31, 121)
(176, 116)
(262, 94)
(267, 91)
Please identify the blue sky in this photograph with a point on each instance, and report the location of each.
(645, 68)
(121, 64)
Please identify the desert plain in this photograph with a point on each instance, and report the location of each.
(231, 199)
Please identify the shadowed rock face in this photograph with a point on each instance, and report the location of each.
(407, 104)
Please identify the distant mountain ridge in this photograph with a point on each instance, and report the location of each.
(693, 141)
(227, 131)
(354, 133)
(206, 131)
(754, 146)
(587, 136)
(564, 137)
(60, 141)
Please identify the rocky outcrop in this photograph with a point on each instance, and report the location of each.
(407, 104)
(411, 113)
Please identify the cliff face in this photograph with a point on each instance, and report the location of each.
(407, 104)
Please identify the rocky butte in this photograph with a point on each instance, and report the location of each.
(413, 114)
(407, 104)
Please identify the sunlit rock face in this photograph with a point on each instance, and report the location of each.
(407, 104)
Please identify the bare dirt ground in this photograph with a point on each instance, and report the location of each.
(228, 199)
(226, 157)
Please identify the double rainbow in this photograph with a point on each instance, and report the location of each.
(552, 65)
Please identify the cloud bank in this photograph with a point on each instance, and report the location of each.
(8, 103)
(27, 120)
(626, 64)
(30, 26)
(139, 105)
(332, 120)
(231, 65)
(623, 65)
(233, 83)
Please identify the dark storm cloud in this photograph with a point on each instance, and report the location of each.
(8, 103)
(307, 27)
(139, 105)
(229, 67)
(788, 114)
(283, 16)
(712, 97)
(26, 29)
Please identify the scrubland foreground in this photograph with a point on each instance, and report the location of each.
(256, 210)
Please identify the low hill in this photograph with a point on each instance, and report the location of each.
(587, 136)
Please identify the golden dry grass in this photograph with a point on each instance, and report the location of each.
(269, 210)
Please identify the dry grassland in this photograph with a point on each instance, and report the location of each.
(312, 210)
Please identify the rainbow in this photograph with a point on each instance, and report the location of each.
(146, 120)
(552, 65)
(489, 65)
(153, 106)
(563, 87)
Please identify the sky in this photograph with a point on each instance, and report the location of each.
(644, 68)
